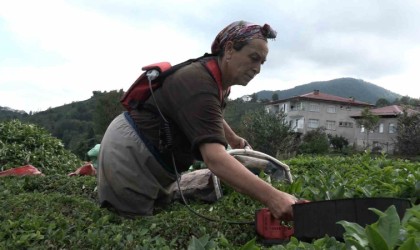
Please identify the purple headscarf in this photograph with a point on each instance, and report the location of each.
(241, 31)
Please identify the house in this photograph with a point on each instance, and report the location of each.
(383, 137)
(246, 98)
(315, 109)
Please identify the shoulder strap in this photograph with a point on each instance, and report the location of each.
(140, 90)
(174, 68)
(213, 67)
(209, 62)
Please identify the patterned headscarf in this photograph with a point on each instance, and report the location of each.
(240, 31)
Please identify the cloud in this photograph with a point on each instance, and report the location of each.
(57, 51)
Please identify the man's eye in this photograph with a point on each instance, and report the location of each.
(255, 58)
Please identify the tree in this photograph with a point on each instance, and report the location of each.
(254, 97)
(275, 97)
(405, 100)
(236, 109)
(382, 102)
(338, 142)
(315, 142)
(408, 138)
(368, 121)
(268, 133)
(107, 108)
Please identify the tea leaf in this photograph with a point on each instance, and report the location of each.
(376, 241)
(388, 225)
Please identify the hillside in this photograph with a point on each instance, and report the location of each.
(7, 113)
(344, 87)
(80, 125)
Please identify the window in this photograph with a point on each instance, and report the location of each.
(392, 128)
(381, 128)
(299, 123)
(331, 125)
(283, 107)
(296, 123)
(313, 123)
(345, 124)
(331, 109)
(296, 106)
(314, 107)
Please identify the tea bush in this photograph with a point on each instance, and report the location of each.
(56, 211)
(22, 144)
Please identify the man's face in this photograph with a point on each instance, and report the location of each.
(245, 64)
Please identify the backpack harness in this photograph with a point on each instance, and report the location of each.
(152, 79)
(155, 74)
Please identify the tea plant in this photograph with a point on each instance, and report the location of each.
(22, 144)
(56, 211)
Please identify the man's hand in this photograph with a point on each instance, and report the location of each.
(238, 142)
(233, 173)
(235, 141)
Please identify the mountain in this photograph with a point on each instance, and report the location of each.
(344, 87)
(8, 113)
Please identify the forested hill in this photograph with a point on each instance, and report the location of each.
(80, 125)
(344, 87)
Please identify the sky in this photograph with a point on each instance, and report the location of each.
(55, 52)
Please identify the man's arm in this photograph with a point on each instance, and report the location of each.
(233, 173)
(232, 138)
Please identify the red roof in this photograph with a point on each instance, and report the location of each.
(318, 96)
(392, 110)
(388, 110)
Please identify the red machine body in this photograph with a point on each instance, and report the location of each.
(271, 230)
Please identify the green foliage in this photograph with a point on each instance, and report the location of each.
(315, 142)
(79, 125)
(326, 178)
(368, 121)
(382, 102)
(387, 233)
(107, 107)
(22, 144)
(408, 138)
(339, 143)
(7, 114)
(268, 133)
(236, 109)
(407, 101)
(57, 212)
(61, 212)
(202, 243)
(71, 123)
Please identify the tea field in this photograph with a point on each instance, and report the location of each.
(56, 211)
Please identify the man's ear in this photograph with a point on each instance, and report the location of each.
(229, 48)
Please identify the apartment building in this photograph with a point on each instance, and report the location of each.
(384, 136)
(315, 109)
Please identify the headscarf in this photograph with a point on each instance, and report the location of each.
(240, 31)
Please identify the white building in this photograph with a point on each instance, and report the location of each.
(315, 109)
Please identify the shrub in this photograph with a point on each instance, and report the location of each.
(268, 133)
(408, 139)
(314, 142)
(339, 143)
(22, 144)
